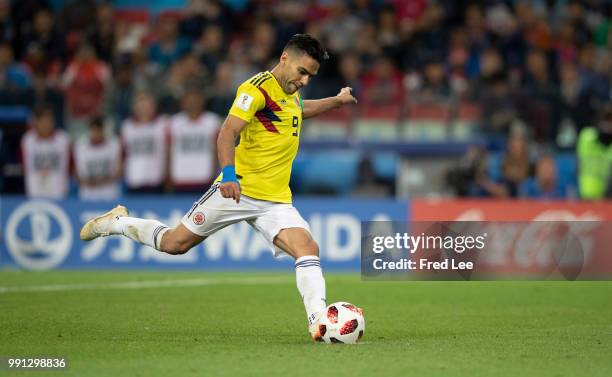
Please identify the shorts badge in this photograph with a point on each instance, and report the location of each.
(198, 218)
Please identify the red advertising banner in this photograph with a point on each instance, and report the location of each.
(509, 210)
(536, 235)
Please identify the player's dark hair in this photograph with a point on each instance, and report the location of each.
(96, 122)
(42, 110)
(306, 44)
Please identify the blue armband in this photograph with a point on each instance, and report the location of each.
(229, 174)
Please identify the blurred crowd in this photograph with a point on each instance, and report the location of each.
(541, 71)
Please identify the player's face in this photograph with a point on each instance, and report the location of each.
(97, 134)
(44, 124)
(144, 107)
(300, 68)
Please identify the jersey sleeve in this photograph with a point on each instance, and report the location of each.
(248, 101)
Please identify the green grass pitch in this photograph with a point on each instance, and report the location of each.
(253, 324)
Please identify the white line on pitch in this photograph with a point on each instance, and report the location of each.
(146, 284)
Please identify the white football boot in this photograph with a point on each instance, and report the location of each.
(317, 330)
(100, 226)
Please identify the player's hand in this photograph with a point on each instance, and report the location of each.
(345, 96)
(230, 190)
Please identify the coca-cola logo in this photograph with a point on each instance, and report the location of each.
(554, 240)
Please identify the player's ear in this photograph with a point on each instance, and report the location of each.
(284, 57)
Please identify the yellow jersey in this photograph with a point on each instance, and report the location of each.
(269, 142)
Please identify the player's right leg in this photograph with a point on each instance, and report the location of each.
(146, 231)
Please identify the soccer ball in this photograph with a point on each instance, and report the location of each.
(342, 322)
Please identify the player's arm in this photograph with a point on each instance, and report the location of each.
(315, 107)
(226, 142)
(248, 101)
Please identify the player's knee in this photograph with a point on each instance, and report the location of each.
(182, 248)
(175, 247)
(311, 248)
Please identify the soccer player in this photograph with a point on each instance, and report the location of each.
(144, 139)
(192, 144)
(98, 165)
(46, 157)
(254, 183)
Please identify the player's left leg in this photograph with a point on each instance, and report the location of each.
(299, 243)
(287, 232)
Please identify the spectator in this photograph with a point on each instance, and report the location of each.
(46, 157)
(364, 10)
(102, 37)
(350, 73)
(383, 84)
(576, 106)
(516, 163)
(98, 164)
(144, 139)
(46, 94)
(84, 83)
(546, 183)
(592, 75)
(366, 45)
(14, 77)
(469, 177)
(388, 35)
(494, 92)
(566, 47)
(7, 27)
(431, 35)
(457, 63)
(38, 63)
(541, 100)
(78, 15)
(119, 93)
(478, 39)
(594, 150)
(368, 185)
(210, 47)
(193, 135)
(45, 35)
(493, 89)
(262, 46)
(340, 27)
(169, 46)
(576, 17)
(435, 87)
(188, 71)
(146, 75)
(243, 67)
(200, 14)
(222, 92)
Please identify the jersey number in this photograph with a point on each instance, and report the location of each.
(295, 125)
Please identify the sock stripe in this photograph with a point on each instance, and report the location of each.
(156, 233)
(307, 258)
(308, 265)
(308, 261)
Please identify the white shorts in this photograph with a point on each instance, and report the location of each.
(213, 212)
